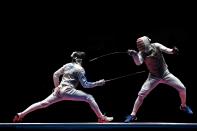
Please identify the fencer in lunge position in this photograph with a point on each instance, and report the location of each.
(72, 74)
(151, 55)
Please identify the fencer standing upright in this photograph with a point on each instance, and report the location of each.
(151, 54)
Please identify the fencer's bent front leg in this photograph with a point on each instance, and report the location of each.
(147, 87)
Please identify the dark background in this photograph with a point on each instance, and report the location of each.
(37, 40)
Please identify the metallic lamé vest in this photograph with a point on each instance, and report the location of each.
(155, 62)
(71, 74)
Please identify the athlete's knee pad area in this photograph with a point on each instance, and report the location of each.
(89, 98)
(44, 104)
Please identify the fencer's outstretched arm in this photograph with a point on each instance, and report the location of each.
(56, 76)
(166, 49)
(137, 56)
(83, 80)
